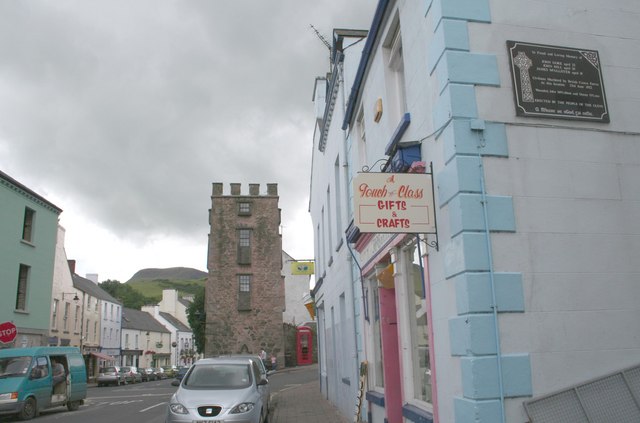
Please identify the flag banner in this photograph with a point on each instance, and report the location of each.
(302, 268)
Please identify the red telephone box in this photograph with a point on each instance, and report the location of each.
(304, 345)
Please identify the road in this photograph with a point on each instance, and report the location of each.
(147, 402)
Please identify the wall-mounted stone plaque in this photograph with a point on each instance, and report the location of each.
(557, 82)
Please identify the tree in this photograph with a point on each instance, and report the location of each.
(128, 296)
(198, 319)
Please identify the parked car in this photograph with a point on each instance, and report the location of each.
(227, 389)
(160, 374)
(170, 371)
(148, 374)
(182, 370)
(257, 359)
(111, 375)
(131, 374)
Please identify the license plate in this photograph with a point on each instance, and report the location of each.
(208, 421)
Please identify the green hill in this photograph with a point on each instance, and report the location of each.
(151, 282)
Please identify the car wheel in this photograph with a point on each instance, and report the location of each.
(73, 405)
(29, 409)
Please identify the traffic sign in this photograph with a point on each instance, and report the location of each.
(8, 332)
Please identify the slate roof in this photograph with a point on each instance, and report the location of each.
(175, 322)
(91, 288)
(141, 320)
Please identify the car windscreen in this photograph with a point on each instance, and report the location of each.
(219, 376)
(108, 370)
(14, 366)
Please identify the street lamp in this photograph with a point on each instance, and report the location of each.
(75, 296)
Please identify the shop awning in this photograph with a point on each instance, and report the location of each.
(103, 356)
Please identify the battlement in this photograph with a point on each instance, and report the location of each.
(236, 189)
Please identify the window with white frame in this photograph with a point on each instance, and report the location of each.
(65, 317)
(418, 325)
(329, 229)
(394, 75)
(338, 197)
(362, 141)
(54, 315)
(75, 321)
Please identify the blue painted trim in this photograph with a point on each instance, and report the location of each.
(375, 397)
(466, 253)
(480, 376)
(416, 414)
(473, 292)
(468, 10)
(450, 35)
(364, 60)
(456, 101)
(459, 138)
(460, 175)
(472, 411)
(462, 67)
(397, 134)
(472, 335)
(466, 214)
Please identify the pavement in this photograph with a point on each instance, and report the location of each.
(303, 403)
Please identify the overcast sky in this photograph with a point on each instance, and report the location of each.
(123, 113)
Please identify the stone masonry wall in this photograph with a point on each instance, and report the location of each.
(258, 326)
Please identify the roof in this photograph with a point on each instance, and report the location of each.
(141, 320)
(26, 190)
(175, 322)
(184, 302)
(91, 288)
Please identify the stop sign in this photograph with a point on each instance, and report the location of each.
(8, 332)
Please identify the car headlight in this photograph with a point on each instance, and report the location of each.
(178, 408)
(242, 408)
(9, 397)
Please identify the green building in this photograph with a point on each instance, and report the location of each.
(28, 230)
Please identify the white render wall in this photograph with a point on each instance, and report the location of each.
(576, 198)
(339, 358)
(574, 187)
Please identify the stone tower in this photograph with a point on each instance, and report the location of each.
(244, 298)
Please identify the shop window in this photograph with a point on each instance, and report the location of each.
(418, 325)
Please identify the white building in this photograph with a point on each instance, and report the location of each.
(182, 343)
(337, 292)
(296, 293)
(175, 305)
(529, 286)
(145, 341)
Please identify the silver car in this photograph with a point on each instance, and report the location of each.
(229, 390)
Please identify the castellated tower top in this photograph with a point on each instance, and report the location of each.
(236, 189)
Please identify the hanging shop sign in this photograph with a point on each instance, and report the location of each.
(394, 203)
(302, 267)
(557, 82)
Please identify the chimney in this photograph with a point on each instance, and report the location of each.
(72, 266)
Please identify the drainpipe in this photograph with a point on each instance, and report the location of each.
(477, 126)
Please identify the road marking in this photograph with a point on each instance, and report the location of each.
(153, 406)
